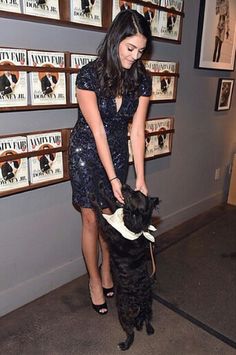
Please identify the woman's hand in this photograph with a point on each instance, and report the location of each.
(116, 187)
(141, 186)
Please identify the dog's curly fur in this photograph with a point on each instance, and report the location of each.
(129, 262)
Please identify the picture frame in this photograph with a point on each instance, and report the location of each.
(164, 80)
(169, 25)
(164, 88)
(86, 15)
(224, 94)
(216, 35)
(158, 138)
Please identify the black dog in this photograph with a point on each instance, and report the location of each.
(129, 258)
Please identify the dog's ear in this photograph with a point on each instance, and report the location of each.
(154, 202)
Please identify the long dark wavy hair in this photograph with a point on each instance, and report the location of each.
(114, 79)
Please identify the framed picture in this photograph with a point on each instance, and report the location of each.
(164, 88)
(216, 38)
(158, 138)
(169, 25)
(86, 12)
(164, 80)
(224, 94)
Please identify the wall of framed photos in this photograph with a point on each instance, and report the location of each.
(165, 16)
(165, 19)
(32, 160)
(30, 69)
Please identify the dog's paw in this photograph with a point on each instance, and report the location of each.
(139, 324)
(125, 345)
(149, 328)
(139, 327)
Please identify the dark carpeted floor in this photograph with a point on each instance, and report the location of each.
(198, 274)
(195, 288)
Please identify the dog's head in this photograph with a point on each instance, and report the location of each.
(138, 209)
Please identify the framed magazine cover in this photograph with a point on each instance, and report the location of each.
(86, 12)
(158, 138)
(216, 36)
(32, 160)
(169, 25)
(224, 94)
(164, 80)
(164, 88)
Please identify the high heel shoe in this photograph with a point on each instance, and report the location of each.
(108, 292)
(99, 308)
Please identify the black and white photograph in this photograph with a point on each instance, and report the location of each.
(224, 94)
(216, 37)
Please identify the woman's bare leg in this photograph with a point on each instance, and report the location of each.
(90, 252)
(105, 269)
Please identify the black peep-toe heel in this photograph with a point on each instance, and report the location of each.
(109, 292)
(99, 308)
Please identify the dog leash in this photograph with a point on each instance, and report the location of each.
(154, 268)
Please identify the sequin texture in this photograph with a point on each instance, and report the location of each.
(86, 170)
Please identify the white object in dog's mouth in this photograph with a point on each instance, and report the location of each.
(117, 222)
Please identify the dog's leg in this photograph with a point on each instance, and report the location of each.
(111, 203)
(125, 345)
(97, 209)
(149, 328)
(105, 228)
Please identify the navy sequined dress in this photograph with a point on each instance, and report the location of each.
(86, 170)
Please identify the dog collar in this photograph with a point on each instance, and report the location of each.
(116, 221)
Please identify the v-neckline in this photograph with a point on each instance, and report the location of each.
(118, 102)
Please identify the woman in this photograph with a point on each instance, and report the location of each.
(111, 91)
(222, 31)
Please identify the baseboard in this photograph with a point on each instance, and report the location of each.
(174, 219)
(34, 288)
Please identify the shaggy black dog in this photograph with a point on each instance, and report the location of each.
(129, 259)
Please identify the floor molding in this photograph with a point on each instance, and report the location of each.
(195, 321)
(185, 229)
(31, 289)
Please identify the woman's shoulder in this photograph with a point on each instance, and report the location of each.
(90, 67)
(145, 87)
(87, 76)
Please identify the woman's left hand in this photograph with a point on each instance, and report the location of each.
(116, 187)
(141, 186)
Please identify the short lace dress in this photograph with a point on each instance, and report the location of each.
(86, 170)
